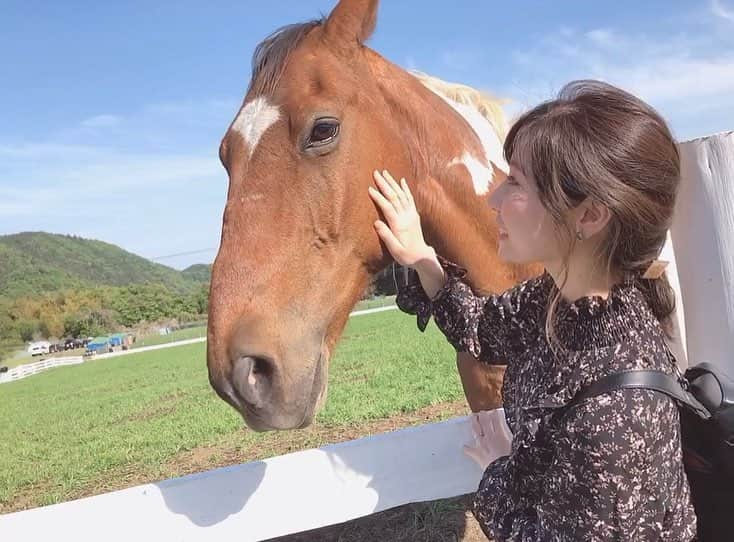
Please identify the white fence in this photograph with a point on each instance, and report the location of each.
(314, 488)
(22, 371)
(703, 239)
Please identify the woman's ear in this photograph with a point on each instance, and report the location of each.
(591, 218)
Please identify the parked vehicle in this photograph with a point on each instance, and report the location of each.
(39, 348)
(73, 344)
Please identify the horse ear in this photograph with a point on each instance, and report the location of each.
(352, 21)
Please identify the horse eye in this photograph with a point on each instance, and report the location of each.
(323, 132)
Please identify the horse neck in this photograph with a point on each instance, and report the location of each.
(457, 221)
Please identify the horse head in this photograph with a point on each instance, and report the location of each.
(298, 247)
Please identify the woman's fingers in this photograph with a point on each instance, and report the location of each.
(407, 192)
(399, 188)
(492, 422)
(485, 420)
(395, 187)
(388, 190)
(405, 242)
(387, 207)
(399, 193)
(505, 428)
(475, 453)
(391, 242)
(476, 428)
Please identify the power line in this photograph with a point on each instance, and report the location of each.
(188, 253)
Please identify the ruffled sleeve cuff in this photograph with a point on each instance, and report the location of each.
(412, 299)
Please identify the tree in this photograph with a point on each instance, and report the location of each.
(26, 330)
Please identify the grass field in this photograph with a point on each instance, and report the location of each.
(107, 424)
(375, 302)
(178, 335)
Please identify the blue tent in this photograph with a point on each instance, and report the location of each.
(98, 344)
(117, 339)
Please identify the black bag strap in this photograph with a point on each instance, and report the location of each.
(648, 379)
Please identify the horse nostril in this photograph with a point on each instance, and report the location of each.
(252, 379)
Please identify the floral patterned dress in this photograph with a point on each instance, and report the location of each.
(607, 469)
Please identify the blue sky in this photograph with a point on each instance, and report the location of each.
(111, 113)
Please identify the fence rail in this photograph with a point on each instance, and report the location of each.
(23, 371)
(29, 369)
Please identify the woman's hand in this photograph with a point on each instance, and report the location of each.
(402, 234)
(492, 437)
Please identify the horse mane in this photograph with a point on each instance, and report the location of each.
(487, 105)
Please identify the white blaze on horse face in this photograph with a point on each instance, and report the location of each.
(254, 119)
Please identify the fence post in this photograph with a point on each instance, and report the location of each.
(703, 240)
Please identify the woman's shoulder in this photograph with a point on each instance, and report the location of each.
(535, 290)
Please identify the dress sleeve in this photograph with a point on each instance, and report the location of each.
(488, 327)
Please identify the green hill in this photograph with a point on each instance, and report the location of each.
(199, 272)
(33, 263)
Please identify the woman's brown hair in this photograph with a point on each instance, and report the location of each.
(598, 141)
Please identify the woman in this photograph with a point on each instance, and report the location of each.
(590, 194)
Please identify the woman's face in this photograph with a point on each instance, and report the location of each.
(528, 232)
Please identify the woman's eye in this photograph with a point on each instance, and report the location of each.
(511, 180)
(323, 132)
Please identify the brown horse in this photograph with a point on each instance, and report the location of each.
(298, 246)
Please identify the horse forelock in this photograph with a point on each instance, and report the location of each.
(271, 55)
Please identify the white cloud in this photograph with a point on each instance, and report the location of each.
(38, 176)
(36, 151)
(150, 204)
(101, 121)
(153, 184)
(679, 79)
(604, 38)
(720, 10)
(681, 73)
(459, 59)
(15, 202)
